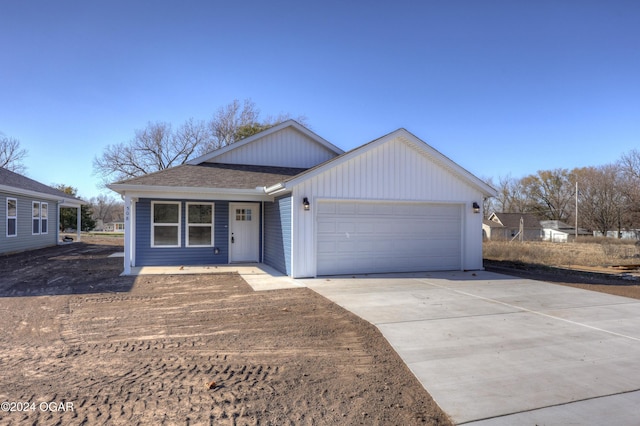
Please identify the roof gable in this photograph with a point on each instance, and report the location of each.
(406, 138)
(512, 220)
(14, 182)
(287, 144)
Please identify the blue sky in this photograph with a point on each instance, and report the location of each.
(501, 87)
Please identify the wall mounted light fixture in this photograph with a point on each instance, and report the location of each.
(476, 207)
(305, 203)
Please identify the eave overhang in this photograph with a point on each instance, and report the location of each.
(182, 192)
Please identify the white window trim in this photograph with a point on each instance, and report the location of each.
(15, 200)
(203, 225)
(42, 218)
(178, 224)
(33, 218)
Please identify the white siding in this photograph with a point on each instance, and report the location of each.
(391, 171)
(286, 148)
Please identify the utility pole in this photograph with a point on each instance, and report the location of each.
(576, 211)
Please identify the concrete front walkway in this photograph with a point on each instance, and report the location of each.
(259, 276)
(497, 350)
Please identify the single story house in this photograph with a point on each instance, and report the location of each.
(30, 213)
(114, 227)
(630, 234)
(559, 232)
(292, 200)
(510, 226)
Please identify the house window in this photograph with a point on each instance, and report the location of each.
(35, 230)
(44, 218)
(199, 224)
(165, 224)
(12, 217)
(243, 214)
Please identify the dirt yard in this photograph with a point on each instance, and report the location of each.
(612, 282)
(81, 345)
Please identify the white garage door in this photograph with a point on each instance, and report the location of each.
(374, 237)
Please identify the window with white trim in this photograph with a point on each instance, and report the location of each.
(44, 218)
(199, 224)
(165, 224)
(12, 217)
(35, 229)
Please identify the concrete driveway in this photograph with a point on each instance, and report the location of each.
(497, 350)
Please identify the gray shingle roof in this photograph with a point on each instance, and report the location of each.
(23, 183)
(216, 175)
(512, 220)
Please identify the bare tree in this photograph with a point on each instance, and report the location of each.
(228, 119)
(153, 148)
(237, 121)
(511, 197)
(601, 201)
(629, 165)
(11, 154)
(107, 209)
(157, 146)
(550, 194)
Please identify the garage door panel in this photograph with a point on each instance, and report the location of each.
(361, 237)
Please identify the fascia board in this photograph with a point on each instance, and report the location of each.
(175, 192)
(71, 202)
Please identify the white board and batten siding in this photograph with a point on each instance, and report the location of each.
(388, 174)
(285, 148)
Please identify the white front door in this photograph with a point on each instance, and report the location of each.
(244, 232)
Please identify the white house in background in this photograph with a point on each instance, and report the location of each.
(559, 232)
(293, 200)
(114, 227)
(30, 213)
(632, 234)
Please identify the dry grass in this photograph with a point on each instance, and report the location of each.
(591, 252)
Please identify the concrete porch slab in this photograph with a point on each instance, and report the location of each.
(259, 276)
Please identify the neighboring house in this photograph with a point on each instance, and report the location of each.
(290, 199)
(632, 234)
(559, 232)
(114, 227)
(510, 226)
(30, 213)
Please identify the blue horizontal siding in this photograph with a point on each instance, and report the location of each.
(277, 238)
(173, 256)
(24, 240)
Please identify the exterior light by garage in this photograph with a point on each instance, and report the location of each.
(305, 203)
(476, 207)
